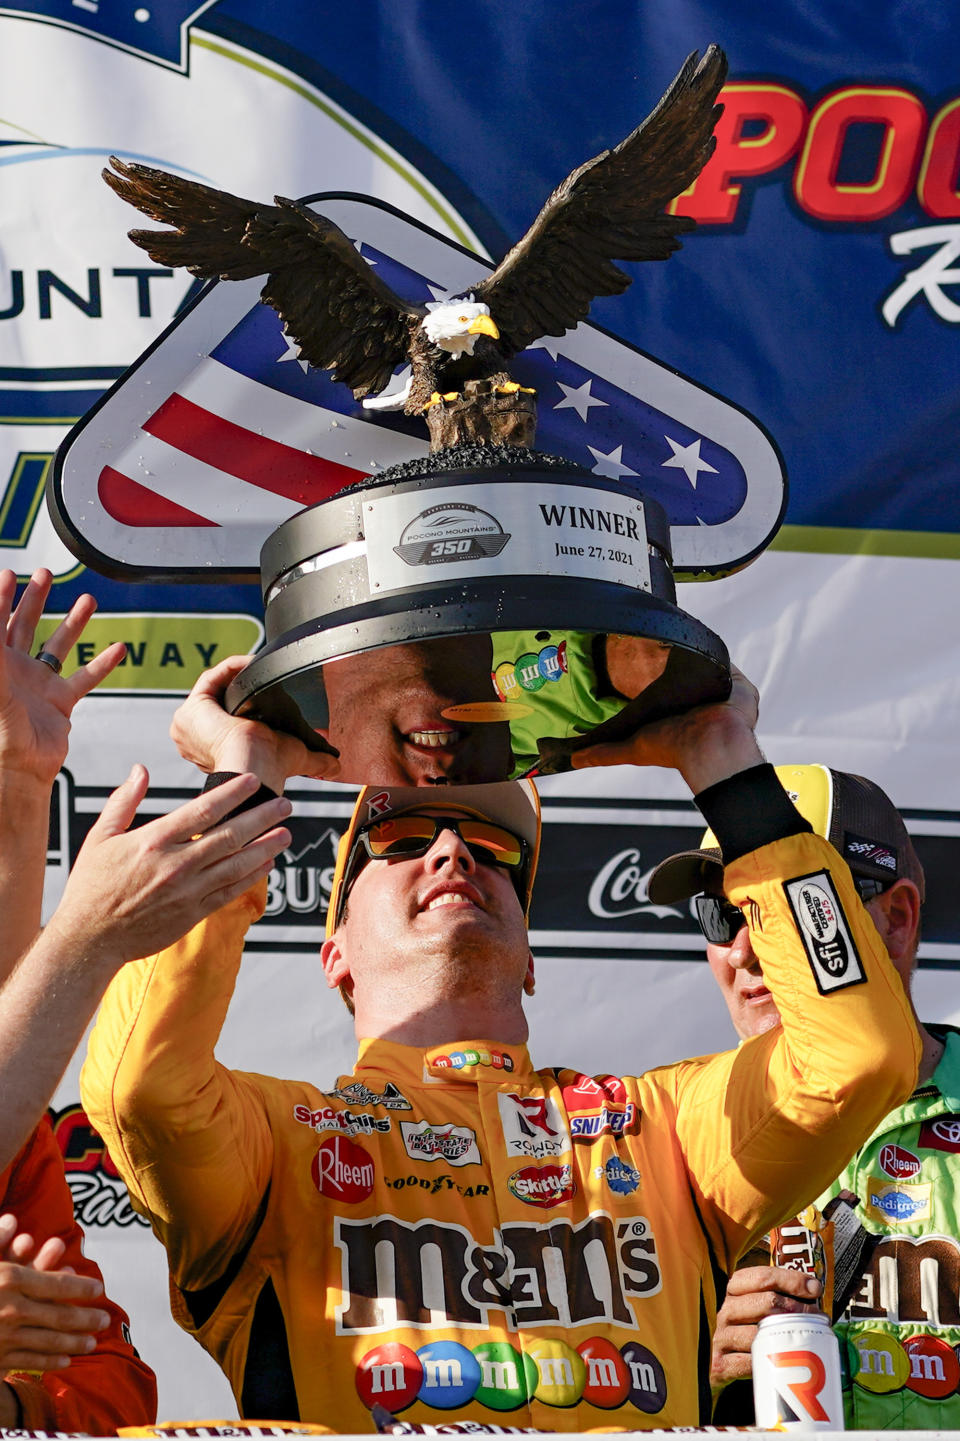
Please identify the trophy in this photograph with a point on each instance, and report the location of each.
(485, 609)
(478, 615)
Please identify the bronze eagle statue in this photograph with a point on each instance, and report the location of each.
(344, 318)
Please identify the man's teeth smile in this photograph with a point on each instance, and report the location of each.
(433, 740)
(449, 898)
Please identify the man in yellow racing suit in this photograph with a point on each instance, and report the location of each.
(446, 1231)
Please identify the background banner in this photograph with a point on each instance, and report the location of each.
(820, 297)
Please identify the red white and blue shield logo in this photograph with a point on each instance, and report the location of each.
(219, 432)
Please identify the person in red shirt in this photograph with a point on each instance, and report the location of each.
(66, 1359)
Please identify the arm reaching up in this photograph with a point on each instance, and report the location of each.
(130, 893)
(36, 704)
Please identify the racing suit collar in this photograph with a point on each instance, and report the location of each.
(464, 1062)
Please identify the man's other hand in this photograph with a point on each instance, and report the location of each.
(705, 744)
(131, 893)
(753, 1293)
(206, 734)
(47, 1313)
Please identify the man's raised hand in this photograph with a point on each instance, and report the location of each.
(35, 701)
(133, 892)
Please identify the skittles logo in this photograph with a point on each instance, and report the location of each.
(531, 671)
(446, 1375)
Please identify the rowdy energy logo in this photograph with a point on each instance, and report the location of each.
(532, 1126)
(799, 1380)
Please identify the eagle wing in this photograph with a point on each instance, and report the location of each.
(612, 207)
(340, 313)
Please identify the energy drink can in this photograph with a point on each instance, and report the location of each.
(796, 1373)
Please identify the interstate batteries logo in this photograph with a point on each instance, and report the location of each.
(450, 532)
(457, 1145)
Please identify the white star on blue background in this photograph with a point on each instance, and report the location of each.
(610, 465)
(578, 398)
(687, 459)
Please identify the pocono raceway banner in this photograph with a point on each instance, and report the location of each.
(819, 300)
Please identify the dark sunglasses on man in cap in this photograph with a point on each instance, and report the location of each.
(406, 836)
(721, 921)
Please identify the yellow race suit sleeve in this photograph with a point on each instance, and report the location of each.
(172, 1117)
(846, 1053)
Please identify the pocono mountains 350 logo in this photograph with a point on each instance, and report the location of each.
(855, 157)
(453, 531)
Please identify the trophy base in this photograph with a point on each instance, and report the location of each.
(471, 622)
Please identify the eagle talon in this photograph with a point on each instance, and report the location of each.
(512, 387)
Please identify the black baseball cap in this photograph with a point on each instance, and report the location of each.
(853, 814)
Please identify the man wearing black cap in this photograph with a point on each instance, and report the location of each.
(902, 1319)
(446, 1231)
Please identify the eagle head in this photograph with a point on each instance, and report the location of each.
(455, 324)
